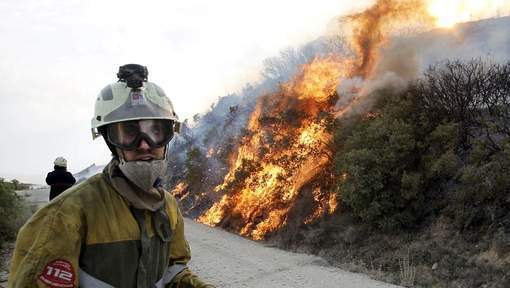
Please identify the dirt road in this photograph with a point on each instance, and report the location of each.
(228, 260)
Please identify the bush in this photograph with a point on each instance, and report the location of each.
(378, 159)
(482, 196)
(441, 146)
(10, 212)
(475, 94)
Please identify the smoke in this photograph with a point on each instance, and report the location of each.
(401, 59)
(374, 67)
(397, 66)
(356, 93)
(371, 29)
(394, 41)
(408, 56)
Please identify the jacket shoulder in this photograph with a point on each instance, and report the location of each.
(97, 181)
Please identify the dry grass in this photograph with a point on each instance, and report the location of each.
(407, 271)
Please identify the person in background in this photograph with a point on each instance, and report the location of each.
(59, 179)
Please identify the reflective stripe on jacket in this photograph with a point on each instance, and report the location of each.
(91, 227)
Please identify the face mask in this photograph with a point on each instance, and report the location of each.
(143, 173)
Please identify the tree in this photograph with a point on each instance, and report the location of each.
(15, 183)
(495, 112)
(454, 89)
(475, 94)
(280, 68)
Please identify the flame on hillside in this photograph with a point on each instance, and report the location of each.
(285, 149)
(371, 28)
(285, 154)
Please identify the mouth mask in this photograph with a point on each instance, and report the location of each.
(143, 173)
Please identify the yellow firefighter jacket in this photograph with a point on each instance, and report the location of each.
(90, 231)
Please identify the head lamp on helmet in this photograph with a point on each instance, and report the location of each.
(128, 134)
(133, 74)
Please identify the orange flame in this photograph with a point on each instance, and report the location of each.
(371, 28)
(285, 150)
(318, 79)
(179, 190)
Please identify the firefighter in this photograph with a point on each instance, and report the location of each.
(118, 228)
(59, 179)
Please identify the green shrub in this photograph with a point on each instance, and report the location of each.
(378, 157)
(10, 212)
(430, 150)
(482, 196)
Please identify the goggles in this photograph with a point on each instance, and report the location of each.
(128, 134)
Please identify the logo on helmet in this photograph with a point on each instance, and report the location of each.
(137, 98)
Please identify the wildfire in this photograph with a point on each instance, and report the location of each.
(370, 30)
(179, 190)
(310, 134)
(318, 79)
(330, 205)
(285, 156)
(285, 150)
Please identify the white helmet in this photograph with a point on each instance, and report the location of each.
(130, 110)
(124, 101)
(60, 161)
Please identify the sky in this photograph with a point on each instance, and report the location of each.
(56, 56)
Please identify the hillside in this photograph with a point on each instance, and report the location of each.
(390, 161)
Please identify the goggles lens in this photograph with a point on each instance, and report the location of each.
(127, 135)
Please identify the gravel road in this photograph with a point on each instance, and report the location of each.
(228, 260)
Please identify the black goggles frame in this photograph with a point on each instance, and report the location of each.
(136, 142)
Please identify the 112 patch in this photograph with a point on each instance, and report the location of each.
(58, 274)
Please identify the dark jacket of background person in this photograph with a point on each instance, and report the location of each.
(59, 180)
